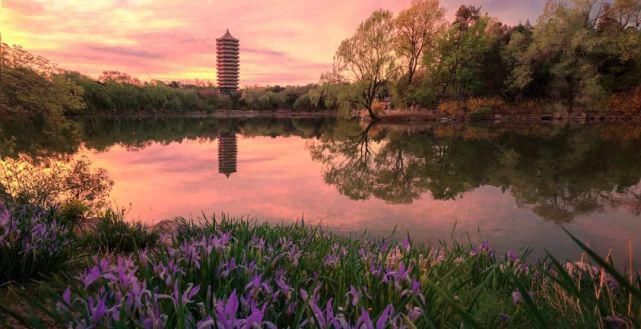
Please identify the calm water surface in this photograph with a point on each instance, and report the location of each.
(513, 187)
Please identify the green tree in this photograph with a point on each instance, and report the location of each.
(417, 28)
(581, 50)
(368, 58)
(456, 64)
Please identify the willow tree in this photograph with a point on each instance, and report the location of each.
(367, 59)
(417, 28)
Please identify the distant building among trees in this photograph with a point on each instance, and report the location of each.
(227, 63)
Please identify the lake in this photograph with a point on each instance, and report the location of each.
(512, 186)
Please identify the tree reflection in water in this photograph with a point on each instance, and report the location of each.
(558, 172)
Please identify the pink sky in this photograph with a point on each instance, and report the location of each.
(282, 42)
(277, 180)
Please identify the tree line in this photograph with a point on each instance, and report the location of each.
(34, 88)
(579, 54)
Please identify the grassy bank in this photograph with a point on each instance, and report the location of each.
(238, 274)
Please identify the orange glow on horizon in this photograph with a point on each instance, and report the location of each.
(282, 42)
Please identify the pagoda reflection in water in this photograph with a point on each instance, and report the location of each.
(227, 153)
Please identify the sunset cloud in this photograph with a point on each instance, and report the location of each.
(282, 42)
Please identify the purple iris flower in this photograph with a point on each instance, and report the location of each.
(92, 275)
(517, 298)
(617, 322)
(330, 260)
(7, 225)
(294, 254)
(167, 272)
(415, 290)
(483, 248)
(185, 297)
(255, 319)
(512, 256)
(364, 321)
(523, 268)
(258, 243)
(143, 257)
(191, 253)
(153, 319)
(256, 285)
(403, 274)
(218, 243)
(281, 283)
(324, 318)
(406, 243)
(97, 308)
(226, 312)
(414, 313)
(227, 267)
(354, 295)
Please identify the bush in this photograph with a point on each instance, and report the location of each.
(491, 103)
(627, 102)
(450, 107)
(479, 114)
(71, 213)
(112, 233)
(26, 182)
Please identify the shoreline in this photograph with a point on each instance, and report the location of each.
(399, 116)
(226, 114)
(518, 117)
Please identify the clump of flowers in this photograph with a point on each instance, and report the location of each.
(31, 243)
(241, 275)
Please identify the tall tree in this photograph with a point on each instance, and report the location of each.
(457, 62)
(416, 29)
(368, 58)
(584, 46)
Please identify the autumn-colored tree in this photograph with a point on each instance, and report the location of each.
(118, 77)
(368, 58)
(627, 13)
(416, 29)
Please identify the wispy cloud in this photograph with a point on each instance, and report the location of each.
(282, 41)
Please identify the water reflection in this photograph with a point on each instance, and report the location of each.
(227, 153)
(513, 185)
(558, 174)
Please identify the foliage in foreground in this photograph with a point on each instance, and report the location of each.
(73, 184)
(113, 234)
(33, 243)
(36, 243)
(236, 274)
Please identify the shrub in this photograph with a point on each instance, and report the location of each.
(627, 102)
(483, 103)
(450, 107)
(112, 233)
(26, 182)
(480, 114)
(71, 213)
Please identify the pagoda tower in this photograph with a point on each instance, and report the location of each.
(227, 63)
(227, 153)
